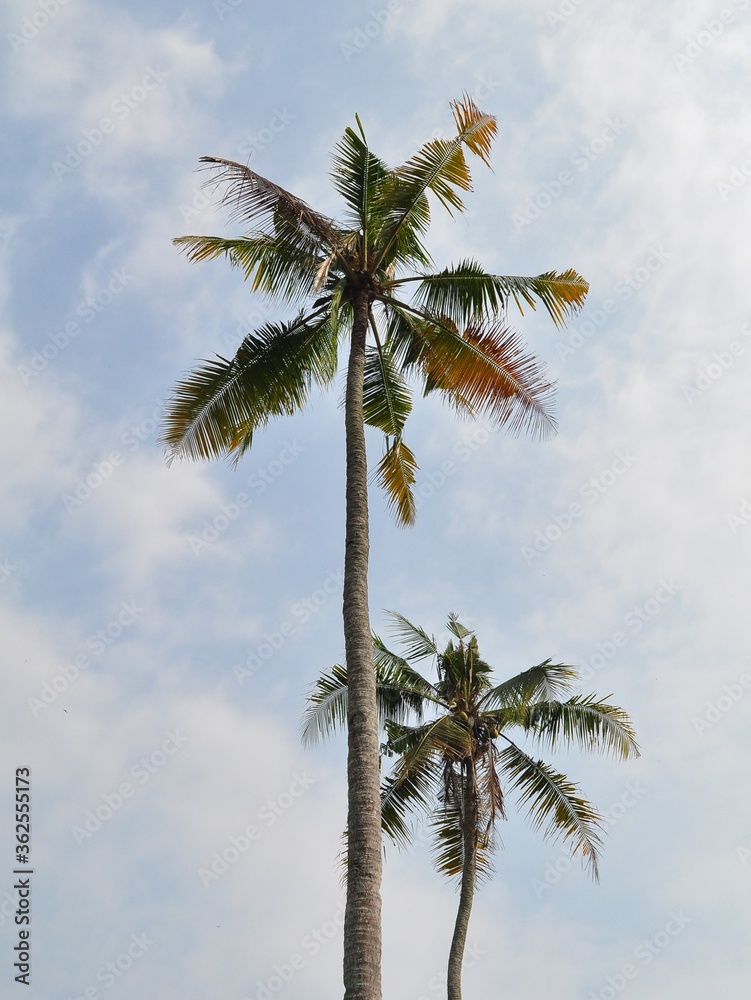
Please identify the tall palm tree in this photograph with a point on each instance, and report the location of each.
(450, 336)
(459, 765)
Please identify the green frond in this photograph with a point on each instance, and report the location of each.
(562, 295)
(219, 405)
(274, 267)
(466, 292)
(553, 804)
(387, 400)
(463, 293)
(400, 695)
(583, 720)
(399, 672)
(404, 796)
(407, 334)
(444, 738)
(455, 626)
(439, 167)
(486, 368)
(460, 668)
(544, 682)
(417, 643)
(326, 711)
(395, 473)
(358, 175)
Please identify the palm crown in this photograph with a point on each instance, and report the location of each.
(458, 766)
(450, 335)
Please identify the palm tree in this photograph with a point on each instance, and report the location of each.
(458, 766)
(451, 336)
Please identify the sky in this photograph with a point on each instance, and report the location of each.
(161, 625)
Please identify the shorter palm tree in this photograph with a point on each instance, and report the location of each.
(457, 766)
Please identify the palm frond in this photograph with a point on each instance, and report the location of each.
(417, 643)
(400, 695)
(395, 473)
(399, 671)
(455, 626)
(358, 175)
(585, 720)
(449, 817)
(476, 130)
(444, 738)
(562, 295)
(466, 292)
(544, 682)
(255, 199)
(274, 266)
(487, 369)
(553, 804)
(439, 167)
(326, 711)
(448, 840)
(490, 791)
(407, 795)
(387, 400)
(219, 405)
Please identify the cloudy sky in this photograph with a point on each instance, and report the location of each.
(161, 625)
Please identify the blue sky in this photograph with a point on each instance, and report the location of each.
(161, 625)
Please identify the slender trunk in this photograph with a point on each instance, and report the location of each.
(466, 896)
(362, 918)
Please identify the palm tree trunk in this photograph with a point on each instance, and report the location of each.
(362, 918)
(466, 896)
